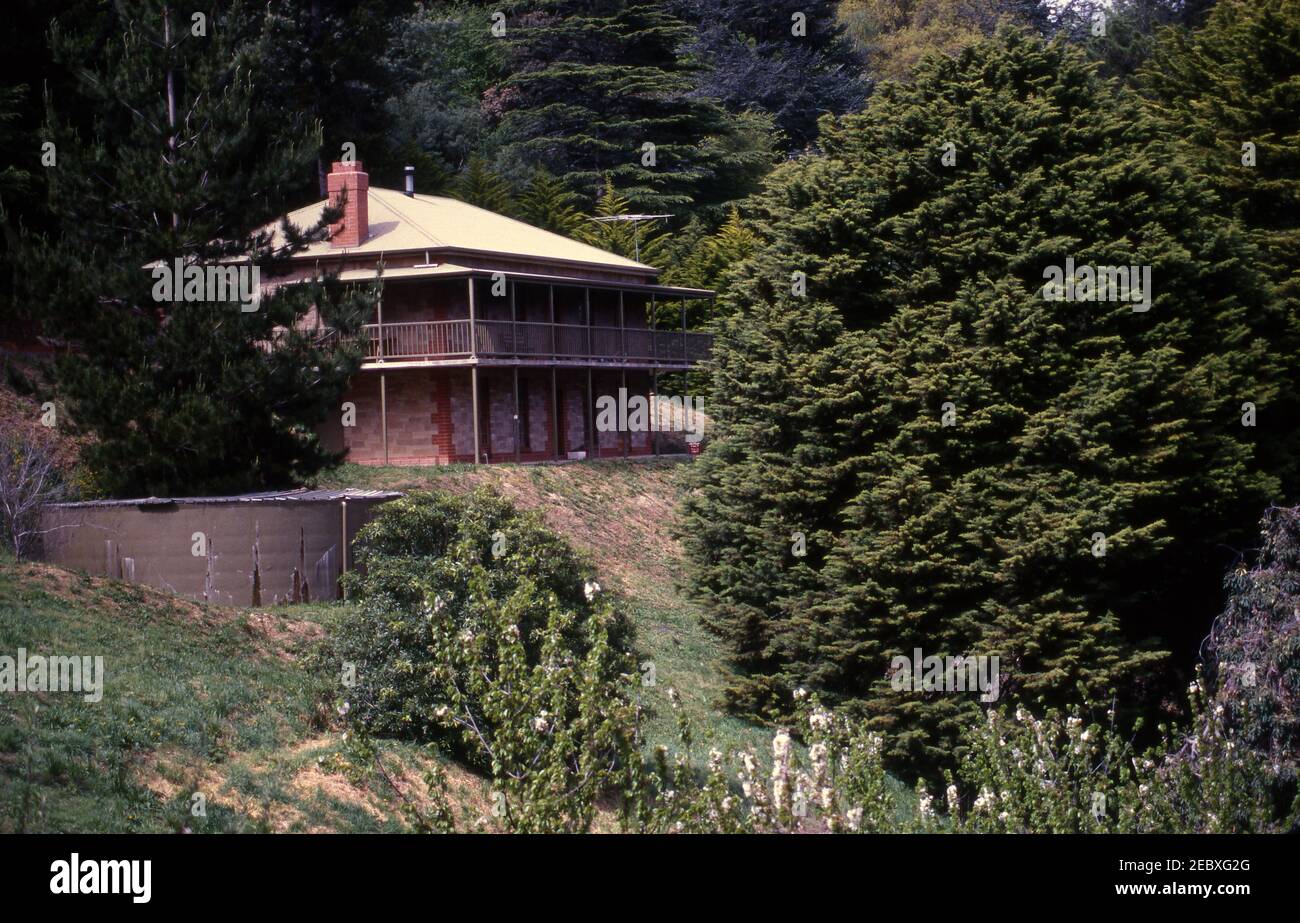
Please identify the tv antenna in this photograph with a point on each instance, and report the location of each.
(636, 227)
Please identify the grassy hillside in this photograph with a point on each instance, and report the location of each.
(197, 699)
(219, 701)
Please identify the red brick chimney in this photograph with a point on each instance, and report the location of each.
(353, 230)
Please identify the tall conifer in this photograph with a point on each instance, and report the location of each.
(1229, 93)
(914, 448)
(194, 395)
(598, 90)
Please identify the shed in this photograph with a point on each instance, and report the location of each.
(250, 549)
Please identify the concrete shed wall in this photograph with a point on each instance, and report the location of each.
(255, 553)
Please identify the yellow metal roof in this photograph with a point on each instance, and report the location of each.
(399, 222)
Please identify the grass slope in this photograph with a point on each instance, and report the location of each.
(196, 699)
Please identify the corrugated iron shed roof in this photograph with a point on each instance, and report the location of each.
(301, 495)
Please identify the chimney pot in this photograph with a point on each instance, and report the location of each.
(410, 181)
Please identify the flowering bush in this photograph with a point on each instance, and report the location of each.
(441, 579)
(1024, 774)
(835, 783)
(1254, 649)
(479, 628)
(1055, 774)
(1064, 774)
(555, 731)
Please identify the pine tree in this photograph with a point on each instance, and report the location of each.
(1129, 35)
(480, 186)
(444, 58)
(326, 61)
(597, 89)
(27, 77)
(1227, 91)
(547, 204)
(921, 450)
(1121, 34)
(1229, 85)
(633, 239)
(196, 395)
(788, 58)
(16, 182)
(13, 178)
(711, 256)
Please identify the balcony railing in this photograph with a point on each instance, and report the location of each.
(450, 339)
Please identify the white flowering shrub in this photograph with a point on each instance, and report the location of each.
(1023, 774)
(440, 577)
(1055, 774)
(555, 731)
(836, 782)
(514, 658)
(1064, 774)
(1212, 782)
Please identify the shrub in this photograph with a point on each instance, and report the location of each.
(837, 783)
(442, 577)
(1254, 650)
(30, 476)
(1060, 773)
(555, 730)
(519, 661)
(1065, 774)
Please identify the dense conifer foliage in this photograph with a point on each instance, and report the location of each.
(175, 167)
(1231, 93)
(787, 58)
(1230, 90)
(916, 447)
(599, 91)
